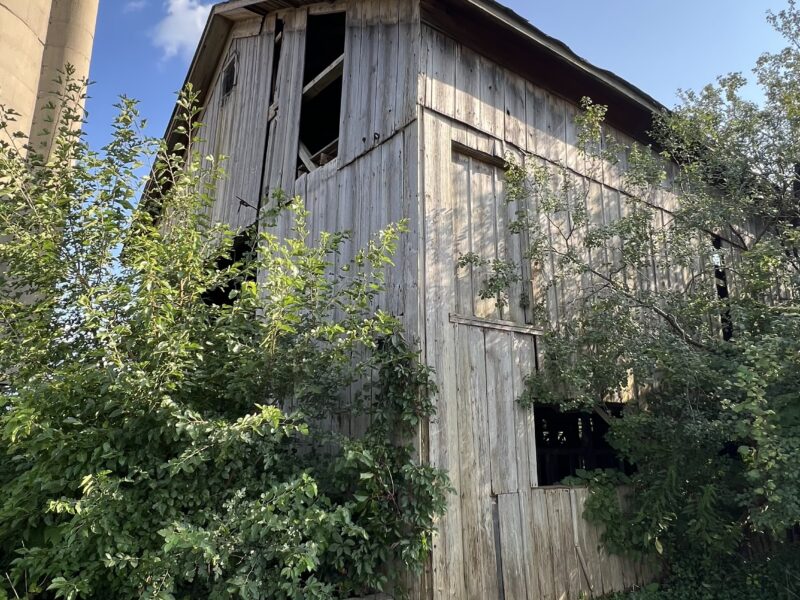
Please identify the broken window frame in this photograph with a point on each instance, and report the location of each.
(316, 84)
(230, 76)
(582, 454)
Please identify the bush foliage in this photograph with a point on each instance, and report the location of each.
(709, 361)
(158, 445)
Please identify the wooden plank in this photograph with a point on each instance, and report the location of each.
(283, 147)
(515, 113)
(376, 203)
(512, 547)
(597, 257)
(589, 543)
(497, 324)
(542, 544)
(528, 547)
(555, 224)
(610, 567)
(535, 118)
(472, 151)
(370, 51)
(612, 213)
(351, 83)
(331, 6)
(566, 572)
(484, 233)
(499, 390)
(413, 256)
(492, 98)
(524, 349)
(408, 63)
(305, 157)
(502, 218)
(571, 284)
(413, 276)
(247, 28)
(462, 213)
(586, 583)
(476, 506)
(295, 43)
(393, 55)
(440, 75)
(391, 182)
(448, 566)
(468, 87)
(628, 568)
(575, 159)
(555, 147)
(321, 82)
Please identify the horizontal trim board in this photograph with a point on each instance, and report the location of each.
(497, 324)
(490, 159)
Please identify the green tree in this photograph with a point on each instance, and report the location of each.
(157, 444)
(713, 359)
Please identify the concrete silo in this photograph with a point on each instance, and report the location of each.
(37, 38)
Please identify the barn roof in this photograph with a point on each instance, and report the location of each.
(487, 27)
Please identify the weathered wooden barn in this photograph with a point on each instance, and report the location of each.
(380, 110)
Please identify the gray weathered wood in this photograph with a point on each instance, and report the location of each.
(499, 390)
(512, 546)
(495, 324)
(542, 550)
(473, 446)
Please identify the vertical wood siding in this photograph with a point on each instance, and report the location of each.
(234, 127)
(380, 73)
(514, 539)
(409, 94)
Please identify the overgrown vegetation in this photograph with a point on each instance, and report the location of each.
(689, 309)
(158, 445)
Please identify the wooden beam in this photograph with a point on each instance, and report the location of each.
(495, 324)
(484, 157)
(326, 150)
(328, 8)
(305, 156)
(330, 74)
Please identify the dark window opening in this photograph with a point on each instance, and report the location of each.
(229, 78)
(721, 280)
(242, 251)
(276, 60)
(324, 43)
(322, 91)
(572, 440)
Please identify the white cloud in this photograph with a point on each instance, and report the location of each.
(134, 6)
(180, 30)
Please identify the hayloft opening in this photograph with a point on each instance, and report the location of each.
(572, 440)
(322, 91)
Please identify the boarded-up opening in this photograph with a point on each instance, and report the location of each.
(482, 219)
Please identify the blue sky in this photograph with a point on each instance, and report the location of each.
(143, 47)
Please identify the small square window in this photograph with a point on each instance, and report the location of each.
(229, 78)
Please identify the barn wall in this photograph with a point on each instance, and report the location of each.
(504, 536)
(234, 127)
(373, 182)
(410, 93)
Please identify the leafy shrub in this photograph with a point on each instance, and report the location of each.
(159, 445)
